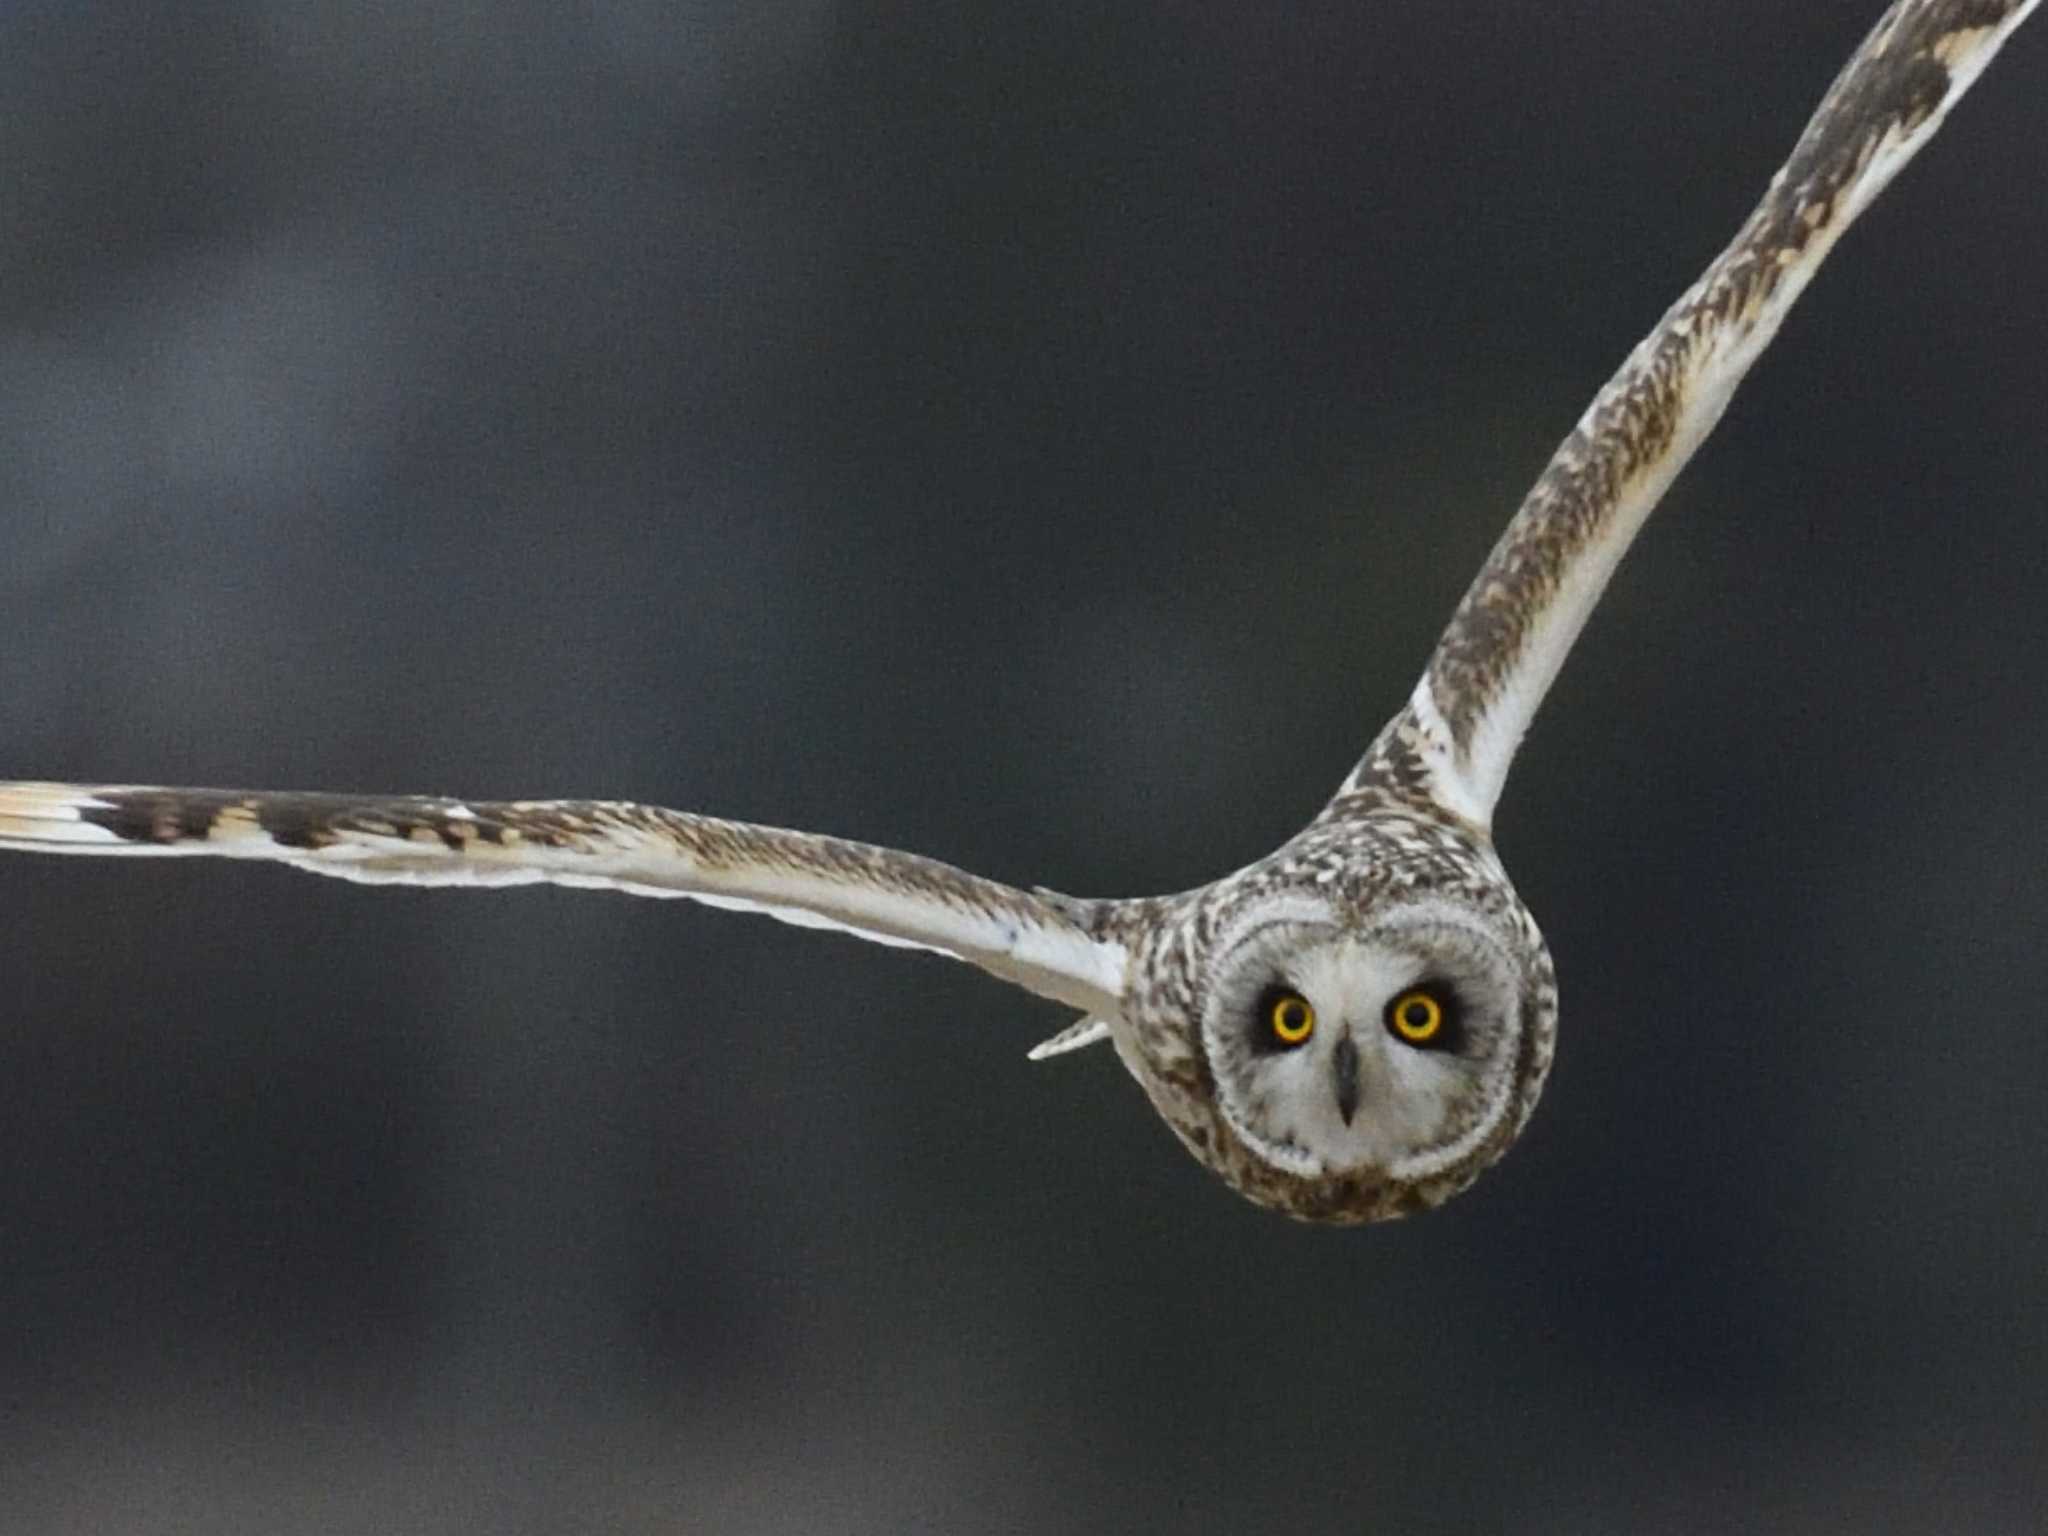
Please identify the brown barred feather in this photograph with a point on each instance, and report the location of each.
(1511, 631)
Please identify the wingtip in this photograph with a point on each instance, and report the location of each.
(40, 813)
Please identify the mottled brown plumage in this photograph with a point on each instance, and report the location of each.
(1549, 567)
(1272, 1015)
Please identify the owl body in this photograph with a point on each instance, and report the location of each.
(1359, 1024)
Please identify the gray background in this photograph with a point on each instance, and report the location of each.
(1048, 438)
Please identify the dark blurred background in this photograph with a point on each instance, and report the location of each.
(1047, 438)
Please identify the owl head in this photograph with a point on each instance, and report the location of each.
(1371, 1060)
(1357, 1059)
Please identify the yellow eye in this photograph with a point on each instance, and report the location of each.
(1291, 1018)
(1416, 1016)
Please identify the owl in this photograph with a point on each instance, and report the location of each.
(1357, 1025)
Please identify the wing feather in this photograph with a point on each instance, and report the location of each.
(1038, 941)
(1454, 741)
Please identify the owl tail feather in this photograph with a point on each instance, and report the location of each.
(1082, 1032)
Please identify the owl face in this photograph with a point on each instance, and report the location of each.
(1375, 1054)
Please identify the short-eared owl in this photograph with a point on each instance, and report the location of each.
(1358, 1024)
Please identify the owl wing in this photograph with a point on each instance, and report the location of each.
(1040, 941)
(1455, 739)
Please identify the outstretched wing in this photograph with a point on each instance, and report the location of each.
(1036, 940)
(1456, 737)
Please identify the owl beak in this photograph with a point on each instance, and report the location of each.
(1344, 1064)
